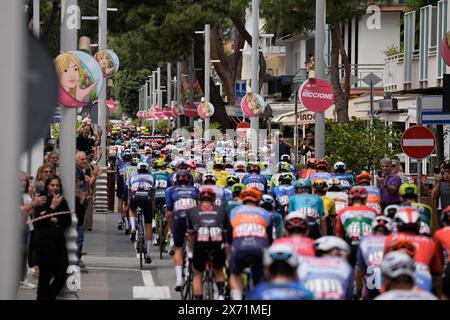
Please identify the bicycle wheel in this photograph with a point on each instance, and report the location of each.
(141, 242)
(209, 283)
(162, 239)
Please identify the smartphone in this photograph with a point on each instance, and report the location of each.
(57, 192)
(379, 173)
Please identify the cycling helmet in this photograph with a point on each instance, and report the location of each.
(327, 243)
(445, 216)
(218, 162)
(239, 167)
(284, 167)
(172, 165)
(156, 153)
(160, 163)
(285, 178)
(320, 185)
(237, 188)
(142, 166)
(363, 177)
(396, 264)
(281, 253)
(135, 161)
(267, 202)
(232, 179)
(183, 177)
(182, 165)
(311, 163)
(192, 164)
(253, 167)
(252, 157)
(322, 164)
(334, 184)
(391, 210)
(382, 222)
(339, 166)
(209, 178)
(126, 156)
(296, 220)
(403, 245)
(409, 190)
(285, 158)
(207, 194)
(407, 219)
(357, 192)
(251, 194)
(303, 184)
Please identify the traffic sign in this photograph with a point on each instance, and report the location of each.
(431, 110)
(316, 95)
(240, 90)
(418, 142)
(242, 129)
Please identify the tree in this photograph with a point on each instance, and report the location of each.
(358, 146)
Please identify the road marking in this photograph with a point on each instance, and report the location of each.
(112, 268)
(148, 279)
(149, 290)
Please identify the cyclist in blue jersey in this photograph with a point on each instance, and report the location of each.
(283, 192)
(179, 199)
(249, 233)
(268, 203)
(123, 162)
(328, 275)
(162, 182)
(287, 158)
(281, 262)
(236, 201)
(141, 187)
(312, 204)
(232, 179)
(346, 179)
(283, 167)
(321, 171)
(253, 179)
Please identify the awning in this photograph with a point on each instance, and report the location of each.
(288, 119)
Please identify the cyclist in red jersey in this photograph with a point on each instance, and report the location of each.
(310, 169)
(442, 240)
(296, 230)
(407, 221)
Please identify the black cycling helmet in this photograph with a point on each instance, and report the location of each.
(183, 178)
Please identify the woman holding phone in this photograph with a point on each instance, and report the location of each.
(50, 241)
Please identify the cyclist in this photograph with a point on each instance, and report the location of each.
(442, 239)
(206, 227)
(296, 230)
(120, 171)
(312, 204)
(220, 172)
(340, 173)
(328, 275)
(142, 195)
(209, 181)
(355, 221)
(320, 188)
(321, 171)
(335, 192)
(253, 179)
(249, 233)
(398, 270)
(129, 172)
(239, 169)
(373, 192)
(162, 182)
(281, 263)
(283, 167)
(287, 159)
(408, 195)
(232, 179)
(268, 203)
(407, 221)
(310, 169)
(179, 199)
(283, 192)
(369, 257)
(236, 201)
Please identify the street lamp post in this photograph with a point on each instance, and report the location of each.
(254, 122)
(179, 95)
(102, 113)
(207, 73)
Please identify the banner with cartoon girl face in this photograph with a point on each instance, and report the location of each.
(80, 78)
(252, 105)
(205, 110)
(108, 61)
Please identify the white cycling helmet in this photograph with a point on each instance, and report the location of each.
(142, 166)
(391, 210)
(209, 177)
(339, 165)
(328, 243)
(285, 158)
(281, 253)
(396, 264)
(268, 199)
(382, 222)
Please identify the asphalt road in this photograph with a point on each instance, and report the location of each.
(113, 268)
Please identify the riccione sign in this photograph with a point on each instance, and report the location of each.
(316, 95)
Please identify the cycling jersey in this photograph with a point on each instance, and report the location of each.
(368, 259)
(329, 206)
(414, 294)
(228, 194)
(320, 175)
(255, 181)
(346, 179)
(442, 239)
(282, 194)
(129, 172)
(162, 180)
(304, 246)
(424, 210)
(313, 206)
(354, 222)
(291, 290)
(306, 173)
(329, 278)
(221, 176)
(426, 250)
(230, 205)
(277, 225)
(373, 199)
(219, 191)
(141, 182)
(208, 222)
(139, 187)
(340, 199)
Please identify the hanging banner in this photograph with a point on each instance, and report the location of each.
(190, 110)
(205, 110)
(252, 105)
(108, 61)
(80, 78)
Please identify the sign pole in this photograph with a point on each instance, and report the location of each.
(296, 125)
(419, 162)
(102, 113)
(207, 73)
(254, 72)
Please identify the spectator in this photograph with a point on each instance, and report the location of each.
(42, 175)
(398, 169)
(389, 184)
(51, 242)
(308, 144)
(285, 148)
(441, 189)
(53, 160)
(85, 143)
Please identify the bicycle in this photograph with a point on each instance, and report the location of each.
(188, 276)
(140, 243)
(161, 225)
(209, 277)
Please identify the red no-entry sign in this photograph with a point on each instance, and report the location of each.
(418, 142)
(242, 129)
